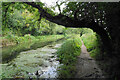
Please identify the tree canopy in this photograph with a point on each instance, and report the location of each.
(95, 16)
(23, 19)
(102, 18)
(88, 15)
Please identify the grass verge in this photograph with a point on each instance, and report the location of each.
(93, 44)
(10, 52)
(68, 56)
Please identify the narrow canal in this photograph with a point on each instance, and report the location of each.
(41, 62)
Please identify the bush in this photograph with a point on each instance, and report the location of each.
(10, 39)
(9, 36)
(93, 44)
(19, 39)
(29, 37)
(67, 55)
(67, 71)
(69, 50)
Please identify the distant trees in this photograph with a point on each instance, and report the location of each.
(20, 19)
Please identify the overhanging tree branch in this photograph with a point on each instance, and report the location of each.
(75, 23)
(60, 19)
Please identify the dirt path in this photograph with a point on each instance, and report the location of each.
(86, 66)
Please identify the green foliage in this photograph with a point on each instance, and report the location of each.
(86, 30)
(67, 71)
(25, 43)
(72, 30)
(70, 9)
(67, 55)
(87, 10)
(49, 37)
(29, 37)
(21, 19)
(69, 50)
(77, 30)
(93, 44)
(12, 40)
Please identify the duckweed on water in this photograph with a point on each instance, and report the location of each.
(28, 62)
(30, 42)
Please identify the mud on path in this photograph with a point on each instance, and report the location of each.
(86, 66)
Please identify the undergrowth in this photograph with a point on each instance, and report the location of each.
(68, 56)
(25, 43)
(93, 44)
(12, 40)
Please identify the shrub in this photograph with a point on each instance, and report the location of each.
(29, 37)
(67, 55)
(69, 50)
(93, 44)
(9, 36)
(66, 71)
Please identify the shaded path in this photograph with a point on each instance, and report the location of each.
(86, 66)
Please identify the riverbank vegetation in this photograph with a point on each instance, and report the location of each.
(92, 42)
(71, 48)
(13, 40)
(34, 22)
(26, 43)
(24, 25)
(67, 55)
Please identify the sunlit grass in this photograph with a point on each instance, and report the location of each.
(93, 44)
(12, 40)
(49, 37)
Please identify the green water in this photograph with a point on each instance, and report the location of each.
(10, 52)
(31, 60)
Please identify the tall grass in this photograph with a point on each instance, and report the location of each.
(12, 40)
(68, 56)
(25, 43)
(93, 44)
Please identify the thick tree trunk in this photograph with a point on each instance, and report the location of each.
(107, 43)
(113, 21)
